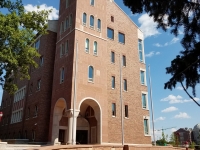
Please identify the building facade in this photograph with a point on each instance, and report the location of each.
(92, 85)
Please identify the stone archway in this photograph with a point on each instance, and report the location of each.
(57, 115)
(90, 110)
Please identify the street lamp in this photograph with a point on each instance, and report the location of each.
(1, 115)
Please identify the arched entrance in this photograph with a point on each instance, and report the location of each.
(90, 112)
(59, 108)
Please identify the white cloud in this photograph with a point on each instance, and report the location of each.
(159, 119)
(169, 109)
(182, 116)
(52, 16)
(148, 26)
(152, 53)
(173, 129)
(173, 41)
(179, 88)
(177, 99)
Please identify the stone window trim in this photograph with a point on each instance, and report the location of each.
(113, 83)
(123, 84)
(98, 25)
(112, 57)
(90, 23)
(147, 104)
(113, 34)
(84, 21)
(92, 3)
(148, 125)
(124, 60)
(145, 80)
(123, 34)
(91, 79)
(95, 48)
(87, 45)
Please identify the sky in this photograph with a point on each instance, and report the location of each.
(172, 109)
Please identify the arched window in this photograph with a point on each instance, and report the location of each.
(62, 75)
(84, 18)
(92, 21)
(87, 43)
(70, 20)
(90, 73)
(95, 48)
(99, 24)
(67, 47)
(36, 110)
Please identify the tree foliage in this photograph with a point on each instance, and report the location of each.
(17, 32)
(173, 15)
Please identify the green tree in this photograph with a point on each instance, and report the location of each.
(175, 14)
(18, 30)
(172, 139)
(163, 141)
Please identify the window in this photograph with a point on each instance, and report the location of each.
(62, 27)
(33, 135)
(67, 23)
(87, 43)
(112, 18)
(113, 57)
(113, 82)
(36, 110)
(62, 74)
(140, 47)
(31, 88)
(121, 38)
(41, 61)
(144, 101)
(92, 2)
(90, 73)
(95, 48)
(146, 126)
(67, 47)
(84, 18)
(28, 112)
(99, 25)
(142, 77)
(37, 44)
(110, 33)
(126, 111)
(125, 85)
(67, 3)
(113, 109)
(92, 21)
(62, 50)
(70, 20)
(124, 60)
(38, 84)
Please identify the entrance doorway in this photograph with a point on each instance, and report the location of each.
(82, 136)
(61, 138)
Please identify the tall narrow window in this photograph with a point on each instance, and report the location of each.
(70, 20)
(67, 23)
(95, 48)
(124, 60)
(62, 27)
(110, 33)
(87, 43)
(66, 47)
(113, 109)
(92, 21)
(90, 73)
(146, 128)
(62, 74)
(113, 82)
(67, 3)
(31, 88)
(144, 101)
(92, 2)
(62, 50)
(121, 38)
(28, 112)
(112, 18)
(41, 61)
(99, 25)
(84, 18)
(140, 47)
(142, 77)
(125, 85)
(33, 135)
(36, 110)
(126, 111)
(38, 84)
(113, 57)
(37, 44)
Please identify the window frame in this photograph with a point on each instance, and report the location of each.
(126, 115)
(67, 47)
(148, 125)
(38, 84)
(66, 23)
(110, 29)
(123, 60)
(95, 48)
(87, 45)
(92, 78)
(92, 22)
(112, 57)
(84, 23)
(67, 3)
(141, 51)
(125, 85)
(113, 109)
(113, 82)
(62, 75)
(92, 4)
(41, 61)
(146, 99)
(98, 24)
(119, 39)
(145, 81)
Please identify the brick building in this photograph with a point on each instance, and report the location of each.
(91, 84)
(183, 135)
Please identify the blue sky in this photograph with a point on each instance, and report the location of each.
(171, 108)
